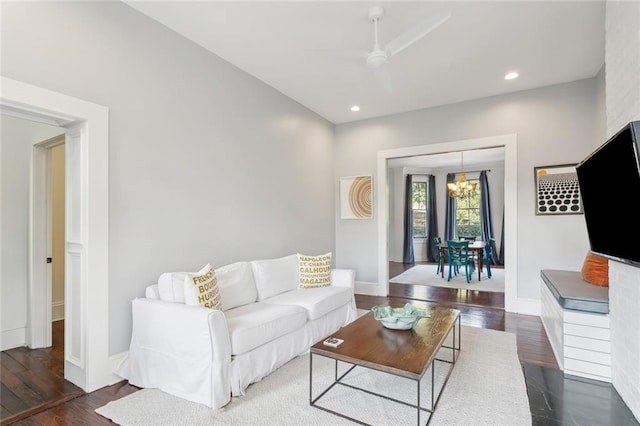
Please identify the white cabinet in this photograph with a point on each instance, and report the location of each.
(576, 324)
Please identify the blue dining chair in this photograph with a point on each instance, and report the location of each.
(486, 255)
(438, 242)
(458, 256)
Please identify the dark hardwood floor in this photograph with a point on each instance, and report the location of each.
(34, 391)
(33, 380)
(441, 294)
(479, 309)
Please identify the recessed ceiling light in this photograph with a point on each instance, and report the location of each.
(355, 108)
(511, 75)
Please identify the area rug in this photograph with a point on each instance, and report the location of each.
(426, 275)
(486, 387)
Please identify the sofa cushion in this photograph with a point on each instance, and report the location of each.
(314, 271)
(317, 301)
(275, 276)
(201, 288)
(236, 284)
(255, 324)
(171, 286)
(151, 292)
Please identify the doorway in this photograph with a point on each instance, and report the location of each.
(31, 378)
(428, 218)
(509, 142)
(47, 242)
(87, 362)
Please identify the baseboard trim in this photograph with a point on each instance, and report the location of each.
(57, 311)
(114, 363)
(369, 289)
(528, 307)
(13, 338)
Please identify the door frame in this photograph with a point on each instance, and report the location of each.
(40, 236)
(509, 142)
(87, 362)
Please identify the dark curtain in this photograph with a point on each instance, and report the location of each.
(501, 256)
(450, 212)
(485, 215)
(432, 219)
(408, 222)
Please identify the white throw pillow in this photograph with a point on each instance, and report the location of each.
(201, 288)
(151, 292)
(314, 271)
(171, 287)
(275, 276)
(236, 284)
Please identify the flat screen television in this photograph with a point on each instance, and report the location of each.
(609, 181)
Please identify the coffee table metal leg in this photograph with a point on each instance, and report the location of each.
(459, 334)
(418, 402)
(453, 349)
(459, 338)
(310, 378)
(433, 384)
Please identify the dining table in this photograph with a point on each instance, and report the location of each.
(475, 246)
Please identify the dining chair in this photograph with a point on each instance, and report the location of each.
(458, 256)
(438, 242)
(486, 255)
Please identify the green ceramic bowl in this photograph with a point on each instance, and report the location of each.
(398, 318)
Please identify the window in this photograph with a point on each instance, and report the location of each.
(419, 209)
(468, 214)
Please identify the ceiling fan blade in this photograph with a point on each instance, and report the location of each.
(415, 33)
(383, 76)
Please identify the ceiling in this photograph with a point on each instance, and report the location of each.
(304, 49)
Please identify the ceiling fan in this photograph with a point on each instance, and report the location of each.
(378, 58)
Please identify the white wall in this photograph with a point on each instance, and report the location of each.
(16, 144)
(554, 125)
(622, 65)
(207, 164)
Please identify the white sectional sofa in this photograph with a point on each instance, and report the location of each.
(206, 355)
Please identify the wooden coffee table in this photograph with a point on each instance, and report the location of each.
(368, 344)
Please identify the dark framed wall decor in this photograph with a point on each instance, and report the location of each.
(556, 190)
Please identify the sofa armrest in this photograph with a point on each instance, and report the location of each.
(182, 350)
(346, 278)
(180, 329)
(343, 278)
(152, 292)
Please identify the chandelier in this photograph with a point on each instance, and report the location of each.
(462, 188)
